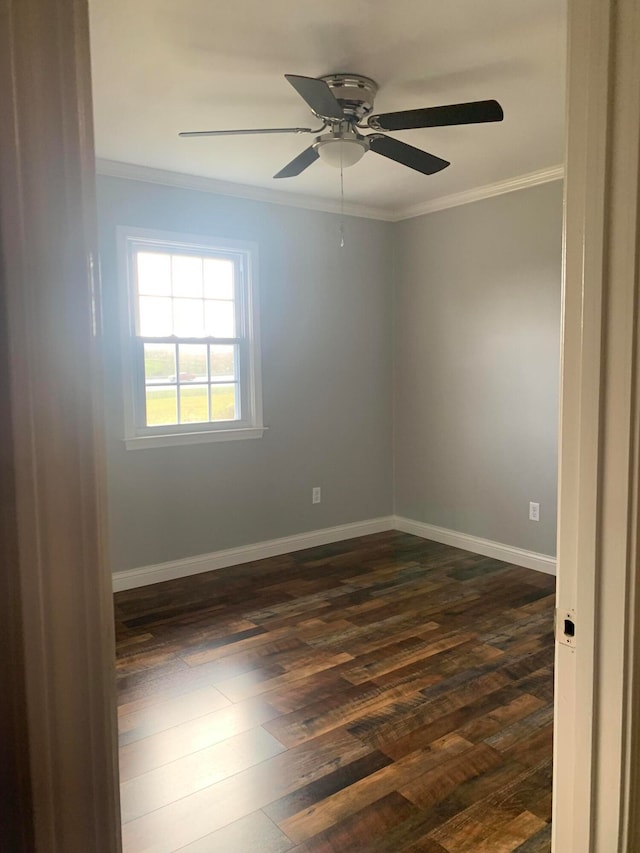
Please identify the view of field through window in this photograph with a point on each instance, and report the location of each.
(183, 296)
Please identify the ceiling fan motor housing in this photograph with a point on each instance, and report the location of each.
(354, 93)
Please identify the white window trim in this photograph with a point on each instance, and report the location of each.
(250, 426)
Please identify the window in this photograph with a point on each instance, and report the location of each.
(191, 352)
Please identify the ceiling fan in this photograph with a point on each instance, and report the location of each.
(342, 102)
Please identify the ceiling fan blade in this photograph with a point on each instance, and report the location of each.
(250, 130)
(409, 156)
(475, 112)
(299, 163)
(318, 96)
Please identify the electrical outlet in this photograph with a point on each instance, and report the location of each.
(534, 511)
(316, 495)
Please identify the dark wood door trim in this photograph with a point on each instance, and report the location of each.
(58, 626)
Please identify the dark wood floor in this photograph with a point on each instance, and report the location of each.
(382, 694)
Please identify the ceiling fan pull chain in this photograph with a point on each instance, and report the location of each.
(341, 204)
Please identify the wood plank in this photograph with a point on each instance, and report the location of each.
(538, 843)
(343, 777)
(186, 820)
(510, 836)
(197, 703)
(429, 788)
(394, 777)
(184, 739)
(483, 797)
(253, 683)
(340, 710)
(359, 831)
(475, 721)
(198, 770)
(252, 834)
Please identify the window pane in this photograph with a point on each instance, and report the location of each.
(218, 279)
(193, 363)
(219, 318)
(161, 405)
(193, 404)
(188, 318)
(159, 363)
(154, 274)
(223, 360)
(223, 402)
(155, 316)
(187, 275)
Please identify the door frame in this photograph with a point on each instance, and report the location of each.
(595, 673)
(61, 734)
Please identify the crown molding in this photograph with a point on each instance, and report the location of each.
(521, 182)
(134, 172)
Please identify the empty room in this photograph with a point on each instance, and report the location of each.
(331, 397)
(308, 313)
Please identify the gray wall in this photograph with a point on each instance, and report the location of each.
(477, 337)
(475, 341)
(326, 377)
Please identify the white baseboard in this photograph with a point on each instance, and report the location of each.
(145, 575)
(486, 547)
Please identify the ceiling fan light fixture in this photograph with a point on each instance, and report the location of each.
(341, 152)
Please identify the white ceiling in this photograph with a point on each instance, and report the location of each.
(161, 66)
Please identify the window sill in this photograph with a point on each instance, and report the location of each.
(145, 442)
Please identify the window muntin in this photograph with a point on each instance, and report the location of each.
(193, 324)
(207, 377)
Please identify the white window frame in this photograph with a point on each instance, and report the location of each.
(138, 435)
